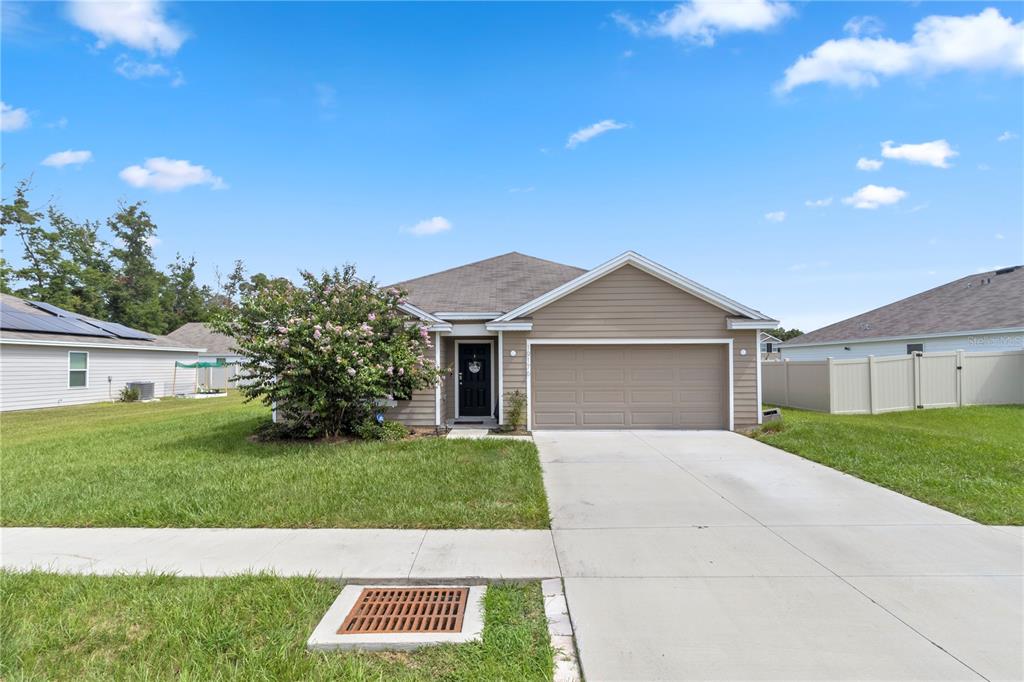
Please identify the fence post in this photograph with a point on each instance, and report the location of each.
(872, 386)
(915, 373)
(829, 383)
(959, 378)
(785, 383)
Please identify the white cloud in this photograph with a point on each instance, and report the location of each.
(152, 240)
(864, 26)
(590, 132)
(702, 21)
(869, 164)
(434, 225)
(12, 119)
(67, 158)
(139, 24)
(61, 122)
(1006, 136)
(775, 216)
(987, 40)
(171, 175)
(133, 70)
(936, 153)
(873, 196)
(626, 54)
(999, 235)
(818, 203)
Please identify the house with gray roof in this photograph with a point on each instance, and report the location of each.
(51, 357)
(628, 344)
(219, 347)
(981, 312)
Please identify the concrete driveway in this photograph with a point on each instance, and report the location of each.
(707, 555)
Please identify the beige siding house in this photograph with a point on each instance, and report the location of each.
(50, 358)
(626, 345)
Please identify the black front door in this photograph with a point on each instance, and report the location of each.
(474, 380)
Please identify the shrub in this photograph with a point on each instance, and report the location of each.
(388, 430)
(326, 352)
(129, 395)
(516, 405)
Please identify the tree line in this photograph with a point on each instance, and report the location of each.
(109, 274)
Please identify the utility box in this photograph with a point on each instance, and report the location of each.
(146, 389)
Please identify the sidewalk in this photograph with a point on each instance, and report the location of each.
(350, 554)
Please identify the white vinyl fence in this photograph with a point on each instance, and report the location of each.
(896, 382)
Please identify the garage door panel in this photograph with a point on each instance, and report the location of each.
(641, 386)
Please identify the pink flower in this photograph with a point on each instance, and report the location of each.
(371, 317)
(351, 371)
(316, 334)
(282, 329)
(389, 371)
(401, 371)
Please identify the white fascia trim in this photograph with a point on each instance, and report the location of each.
(530, 343)
(642, 263)
(731, 323)
(905, 337)
(469, 316)
(86, 344)
(437, 387)
(509, 326)
(442, 327)
(420, 313)
(760, 409)
(501, 378)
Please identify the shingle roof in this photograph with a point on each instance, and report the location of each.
(991, 300)
(18, 305)
(202, 336)
(496, 285)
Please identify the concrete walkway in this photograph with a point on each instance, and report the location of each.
(707, 555)
(357, 555)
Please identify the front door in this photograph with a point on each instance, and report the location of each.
(474, 380)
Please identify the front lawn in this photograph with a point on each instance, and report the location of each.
(245, 627)
(967, 460)
(190, 463)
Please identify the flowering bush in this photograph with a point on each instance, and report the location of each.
(328, 352)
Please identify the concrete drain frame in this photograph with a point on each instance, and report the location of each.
(400, 617)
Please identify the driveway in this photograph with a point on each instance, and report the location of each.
(707, 555)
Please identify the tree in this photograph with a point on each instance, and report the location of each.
(326, 352)
(184, 300)
(17, 215)
(783, 334)
(135, 297)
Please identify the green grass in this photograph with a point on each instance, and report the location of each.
(190, 463)
(152, 627)
(967, 460)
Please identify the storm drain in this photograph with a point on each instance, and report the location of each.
(407, 609)
(400, 617)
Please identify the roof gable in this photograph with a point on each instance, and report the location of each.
(650, 267)
(990, 300)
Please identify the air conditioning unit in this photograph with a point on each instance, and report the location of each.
(146, 389)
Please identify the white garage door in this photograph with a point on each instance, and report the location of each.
(636, 387)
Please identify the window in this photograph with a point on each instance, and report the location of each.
(78, 369)
(915, 348)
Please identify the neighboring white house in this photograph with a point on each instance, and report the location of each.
(983, 312)
(51, 357)
(219, 348)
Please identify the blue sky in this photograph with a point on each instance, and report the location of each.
(296, 135)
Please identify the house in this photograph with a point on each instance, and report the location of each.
(627, 344)
(219, 348)
(51, 357)
(983, 312)
(770, 346)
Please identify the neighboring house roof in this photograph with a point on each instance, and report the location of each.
(24, 322)
(495, 285)
(990, 300)
(765, 337)
(201, 335)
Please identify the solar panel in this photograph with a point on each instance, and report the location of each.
(119, 330)
(27, 322)
(52, 309)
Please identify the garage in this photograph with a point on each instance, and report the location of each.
(593, 386)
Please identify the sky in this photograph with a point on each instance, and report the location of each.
(811, 160)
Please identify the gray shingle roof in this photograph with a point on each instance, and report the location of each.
(498, 284)
(991, 300)
(21, 306)
(201, 335)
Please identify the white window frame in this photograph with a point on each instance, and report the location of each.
(489, 342)
(530, 343)
(86, 370)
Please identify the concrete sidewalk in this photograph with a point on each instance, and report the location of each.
(378, 555)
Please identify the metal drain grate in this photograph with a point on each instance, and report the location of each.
(407, 609)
